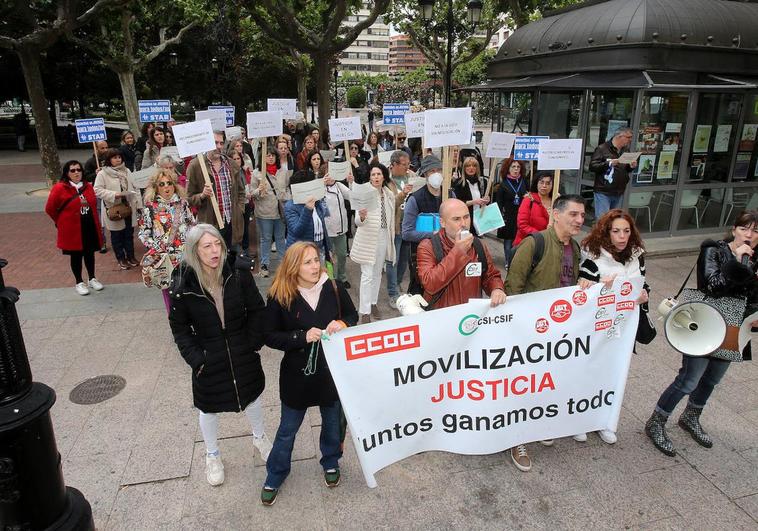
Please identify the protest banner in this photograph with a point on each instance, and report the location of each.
(228, 114)
(217, 118)
(288, 107)
(472, 379)
(527, 147)
(154, 110)
(142, 177)
(196, 138)
(487, 218)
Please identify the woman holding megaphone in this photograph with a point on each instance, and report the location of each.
(724, 269)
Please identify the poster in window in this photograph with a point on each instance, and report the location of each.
(613, 126)
(702, 138)
(651, 138)
(645, 168)
(747, 140)
(666, 165)
(741, 166)
(697, 168)
(721, 142)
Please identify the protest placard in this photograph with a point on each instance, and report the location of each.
(228, 110)
(447, 380)
(327, 154)
(487, 218)
(90, 130)
(154, 110)
(447, 127)
(500, 145)
(527, 147)
(263, 124)
(194, 137)
(384, 157)
(345, 129)
(364, 196)
(303, 192)
(170, 151)
(339, 170)
(394, 113)
(217, 118)
(560, 154)
(288, 107)
(414, 124)
(233, 133)
(142, 178)
(629, 157)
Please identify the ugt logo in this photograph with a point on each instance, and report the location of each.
(560, 311)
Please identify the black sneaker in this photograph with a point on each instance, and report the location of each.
(268, 495)
(103, 249)
(332, 477)
(346, 284)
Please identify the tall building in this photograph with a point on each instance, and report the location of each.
(498, 38)
(404, 56)
(369, 53)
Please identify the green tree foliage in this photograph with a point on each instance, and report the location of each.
(356, 97)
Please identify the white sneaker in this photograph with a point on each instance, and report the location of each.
(608, 436)
(214, 469)
(263, 445)
(547, 442)
(81, 288)
(95, 284)
(580, 437)
(393, 303)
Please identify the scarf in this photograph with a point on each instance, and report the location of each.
(271, 169)
(311, 295)
(118, 172)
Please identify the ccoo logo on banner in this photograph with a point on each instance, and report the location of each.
(472, 379)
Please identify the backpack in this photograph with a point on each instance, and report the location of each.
(539, 248)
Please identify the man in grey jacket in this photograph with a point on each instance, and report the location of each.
(611, 176)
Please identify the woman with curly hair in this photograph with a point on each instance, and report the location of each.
(613, 249)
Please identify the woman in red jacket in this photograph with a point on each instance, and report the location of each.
(72, 206)
(533, 213)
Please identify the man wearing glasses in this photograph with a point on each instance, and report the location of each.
(611, 177)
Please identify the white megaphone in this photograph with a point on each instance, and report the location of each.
(692, 328)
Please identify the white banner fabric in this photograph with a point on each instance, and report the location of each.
(471, 379)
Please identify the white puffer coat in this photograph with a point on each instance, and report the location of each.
(602, 266)
(363, 250)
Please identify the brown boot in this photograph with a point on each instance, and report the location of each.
(365, 318)
(375, 312)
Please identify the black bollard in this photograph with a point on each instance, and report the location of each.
(32, 492)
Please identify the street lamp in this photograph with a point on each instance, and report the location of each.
(214, 63)
(474, 8)
(173, 58)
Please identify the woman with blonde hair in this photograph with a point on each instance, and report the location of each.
(215, 318)
(163, 226)
(471, 188)
(303, 306)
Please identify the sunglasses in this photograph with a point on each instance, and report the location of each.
(165, 183)
(75, 170)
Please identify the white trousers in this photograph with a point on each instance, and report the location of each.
(371, 275)
(209, 425)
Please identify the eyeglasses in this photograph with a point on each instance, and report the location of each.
(75, 170)
(165, 183)
(400, 138)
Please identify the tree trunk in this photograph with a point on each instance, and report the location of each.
(129, 93)
(302, 91)
(48, 150)
(323, 75)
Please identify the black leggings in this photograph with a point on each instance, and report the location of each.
(76, 265)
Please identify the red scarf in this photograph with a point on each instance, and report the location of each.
(271, 169)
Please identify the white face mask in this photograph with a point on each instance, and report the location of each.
(435, 180)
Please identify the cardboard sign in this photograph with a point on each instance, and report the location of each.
(527, 147)
(341, 129)
(560, 154)
(263, 124)
(447, 127)
(233, 133)
(194, 137)
(414, 124)
(288, 107)
(217, 118)
(394, 113)
(339, 170)
(90, 130)
(228, 109)
(154, 110)
(500, 145)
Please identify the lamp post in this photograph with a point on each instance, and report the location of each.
(474, 8)
(173, 58)
(336, 109)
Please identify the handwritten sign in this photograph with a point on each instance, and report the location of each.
(341, 129)
(339, 170)
(90, 130)
(527, 147)
(560, 154)
(500, 145)
(288, 107)
(233, 133)
(414, 124)
(266, 123)
(447, 127)
(228, 109)
(194, 137)
(217, 118)
(154, 110)
(304, 192)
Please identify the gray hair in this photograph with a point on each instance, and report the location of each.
(561, 202)
(191, 259)
(623, 131)
(165, 159)
(398, 155)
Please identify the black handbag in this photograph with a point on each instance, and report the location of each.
(646, 331)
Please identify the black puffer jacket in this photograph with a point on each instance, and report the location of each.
(719, 274)
(599, 165)
(285, 329)
(226, 358)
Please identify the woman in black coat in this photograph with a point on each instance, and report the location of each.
(512, 189)
(471, 188)
(214, 317)
(303, 305)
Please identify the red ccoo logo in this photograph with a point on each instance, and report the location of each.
(626, 289)
(624, 305)
(560, 311)
(602, 325)
(579, 298)
(541, 325)
(606, 299)
(383, 342)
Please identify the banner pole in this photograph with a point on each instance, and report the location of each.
(94, 150)
(214, 202)
(347, 150)
(556, 193)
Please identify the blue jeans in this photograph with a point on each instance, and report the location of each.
(697, 378)
(396, 272)
(123, 241)
(269, 229)
(606, 202)
(280, 460)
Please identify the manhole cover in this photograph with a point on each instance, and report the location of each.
(97, 389)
